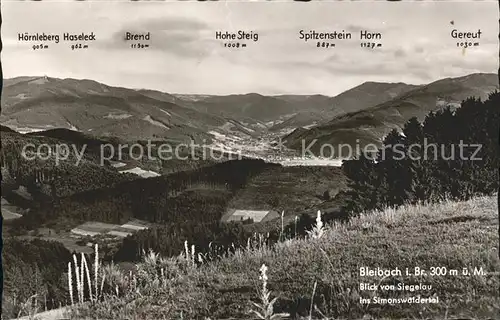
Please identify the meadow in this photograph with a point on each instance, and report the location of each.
(316, 277)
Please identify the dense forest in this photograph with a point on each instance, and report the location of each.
(61, 177)
(168, 239)
(93, 171)
(452, 154)
(212, 240)
(172, 198)
(391, 177)
(187, 205)
(33, 267)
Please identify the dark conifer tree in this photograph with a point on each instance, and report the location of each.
(393, 169)
(452, 154)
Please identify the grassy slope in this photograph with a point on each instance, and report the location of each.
(292, 189)
(450, 234)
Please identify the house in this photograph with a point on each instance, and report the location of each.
(254, 215)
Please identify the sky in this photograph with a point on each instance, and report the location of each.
(184, 56)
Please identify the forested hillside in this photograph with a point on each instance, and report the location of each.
(187, 205)
(33, 268)
(452, 154)
(173, 198)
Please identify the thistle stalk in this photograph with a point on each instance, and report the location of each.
(186, 249)
(96, 269)
(70, 283)
(77, 277)
(282, 236)
(87, 273)
(82, 277)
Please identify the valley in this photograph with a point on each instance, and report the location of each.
(179, 160)
(254, 155)
(273, 128)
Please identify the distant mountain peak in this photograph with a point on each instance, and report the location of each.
(367, 113)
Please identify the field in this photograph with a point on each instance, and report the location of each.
(94, 228)
(67, 239)
(9, 215)
(76, 239)
(325, 271)
(9, 211)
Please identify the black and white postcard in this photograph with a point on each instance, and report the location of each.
(250, 160)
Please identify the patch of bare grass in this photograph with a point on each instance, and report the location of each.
(328, 265)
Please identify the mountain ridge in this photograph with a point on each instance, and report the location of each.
(44, 103)
(371, 124)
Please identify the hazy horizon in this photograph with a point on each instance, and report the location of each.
(243, 93)
(184, 57)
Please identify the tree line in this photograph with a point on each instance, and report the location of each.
(157, 200)
(35, 267)
(452, 154)
(401, 172)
